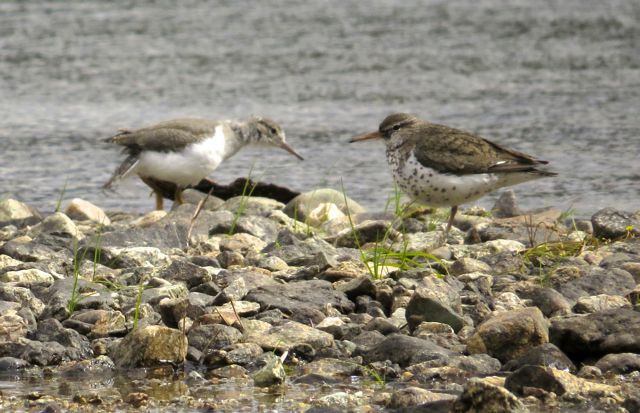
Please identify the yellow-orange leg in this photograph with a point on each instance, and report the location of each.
(178, 196)
(159, 200)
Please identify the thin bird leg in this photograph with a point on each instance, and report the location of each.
(178, 196)
(159, 200)
(454, 209)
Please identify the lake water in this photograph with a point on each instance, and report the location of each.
(557, 79)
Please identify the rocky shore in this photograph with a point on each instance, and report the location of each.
(318, 305)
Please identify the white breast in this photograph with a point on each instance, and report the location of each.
(188, 166)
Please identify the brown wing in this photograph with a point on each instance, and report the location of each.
(458, 152)
(165, 136)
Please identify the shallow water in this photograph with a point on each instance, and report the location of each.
(557, 79)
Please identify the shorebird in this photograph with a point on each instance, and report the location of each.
(184, 151)
(440, 166)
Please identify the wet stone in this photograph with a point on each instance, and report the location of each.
(213, 336)
(405, 350)
(622, 363)
(545, 355)
(482, 397)
(414, 396)
(151, 346)
(270, 373)
(286, 336)
(552, 380)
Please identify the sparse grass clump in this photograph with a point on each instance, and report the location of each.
(247, 191)
(381, 255)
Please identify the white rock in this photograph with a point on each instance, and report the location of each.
(82, 210)
(27, 278)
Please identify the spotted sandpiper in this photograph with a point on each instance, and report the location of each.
(184, 151)
(444, 167)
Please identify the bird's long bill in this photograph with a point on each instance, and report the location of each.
(366, 136)
(292, 151)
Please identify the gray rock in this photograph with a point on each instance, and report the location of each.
(366, 340)
(414, 396)
(213, 336)
(90, 296)
(552, 380)
(39, 353)
(193, 197)
(358, 286)
(545, 355)
(331, 367)
(150, 346)
(597, 334)
(548, 300)
(466, 265)
(297, 252)
(173, 310)
(366, 232)
(242, 243)
(57, 224)
(424, 241)
(405, 351)
(12, 326)
(12, 364)
(76, 345)
(155, 295)
(27, 278)
(286, 336)
(28, 250)
(23, 296)
(600, 302)
(251, 205)
(622, 363)
(612, 223)
(229, 259)
(480, 396)
(425, 305)
(300, 206)
(99, 323)
(101, 367)
(167, 233)
(16, 213)
(81, 210)
(476, 364)
(271, 373)
(598, 281)
(242, 353)
(304, 301)
(506, 206)
(510, 334)
(186, 272)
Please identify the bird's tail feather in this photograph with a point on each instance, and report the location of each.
(125, 169)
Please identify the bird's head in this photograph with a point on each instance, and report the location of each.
(391, 129)
(269, 133)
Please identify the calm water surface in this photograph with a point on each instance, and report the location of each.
(557, 79)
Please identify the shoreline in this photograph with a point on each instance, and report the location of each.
(515, 311)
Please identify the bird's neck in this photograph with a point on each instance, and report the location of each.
(243, 134)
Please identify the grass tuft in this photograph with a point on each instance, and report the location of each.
(244, 198)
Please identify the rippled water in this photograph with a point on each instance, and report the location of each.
(558, 79)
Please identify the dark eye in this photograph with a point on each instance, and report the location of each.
(273, 131)
(396, 127)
